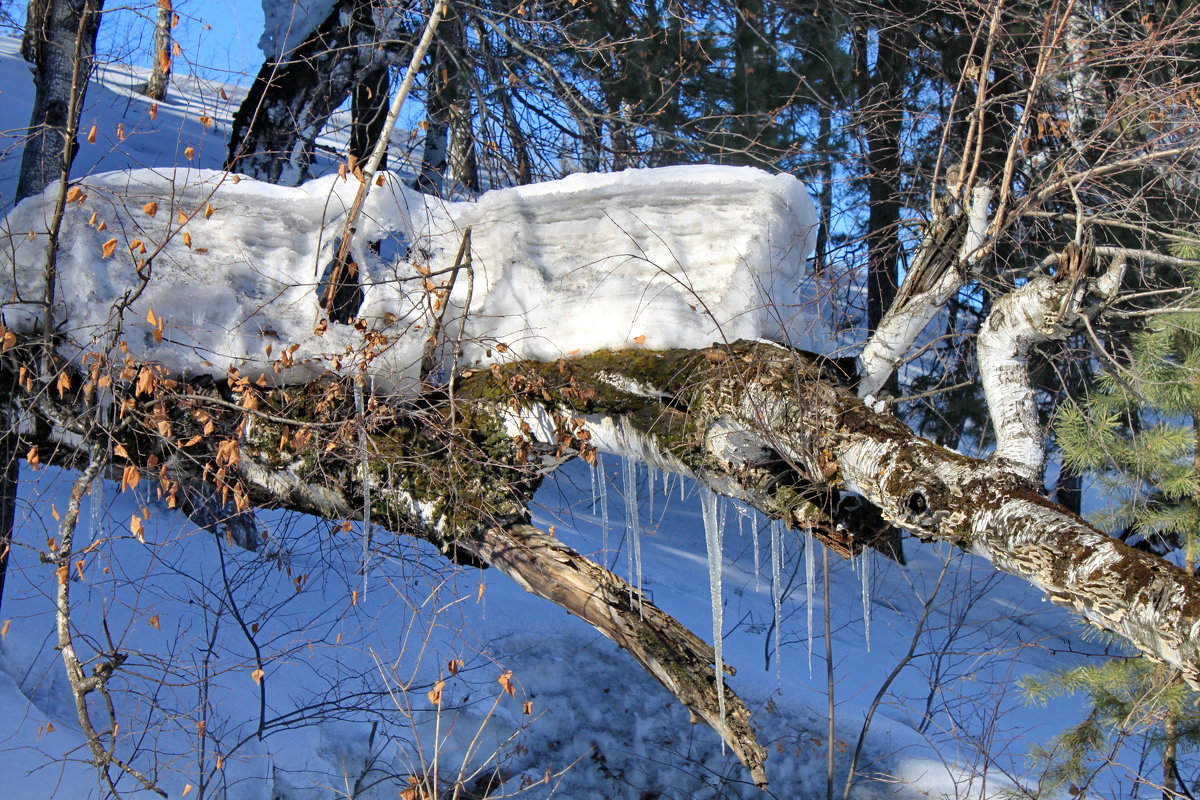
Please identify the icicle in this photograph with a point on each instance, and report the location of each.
(650, 471)
(754, 547)
(96, 503)
(776, 587)
(603, 508)
(633, 525)
(865, 574)
(810, 572)
(681, 497)
(595, 495)
(360, 414)
(712, 537)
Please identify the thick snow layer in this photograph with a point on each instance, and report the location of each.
(673, 257)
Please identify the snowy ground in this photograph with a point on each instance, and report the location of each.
(343, 703)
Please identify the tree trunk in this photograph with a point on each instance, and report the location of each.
(368, 112)
(1170, 753)
(440, 95)
(274, 131)
(448, 160)
(463, 166)
(59, 43)
(9, 473)
(881, 117)
(160, 75)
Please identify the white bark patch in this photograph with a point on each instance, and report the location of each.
(896, 334)
(977, 225)
(1043, 310)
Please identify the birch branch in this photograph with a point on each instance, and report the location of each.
(1043, 310)
(940, 268)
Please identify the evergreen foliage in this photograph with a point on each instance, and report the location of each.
(1138, 431)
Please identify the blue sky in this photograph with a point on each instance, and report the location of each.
(217, 35)
(219, 38)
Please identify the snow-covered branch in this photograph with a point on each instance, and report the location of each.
(584, 323)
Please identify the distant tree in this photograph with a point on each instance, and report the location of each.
(59, 43)
(160, 74)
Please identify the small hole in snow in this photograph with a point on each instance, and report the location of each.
(343, 299)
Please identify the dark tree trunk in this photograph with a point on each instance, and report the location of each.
(274, 132)
(368, 111)
(59, 43)
(432, 176)
(881, 117)
(825, 197)
(751, 94)
(9, 472)
(464, 166)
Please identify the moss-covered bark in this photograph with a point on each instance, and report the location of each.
(759, 422)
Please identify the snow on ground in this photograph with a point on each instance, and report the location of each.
(345, 697)
(335, 664)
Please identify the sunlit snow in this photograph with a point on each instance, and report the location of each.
(672, 257)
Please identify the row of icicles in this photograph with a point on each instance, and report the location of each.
(715, 511)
